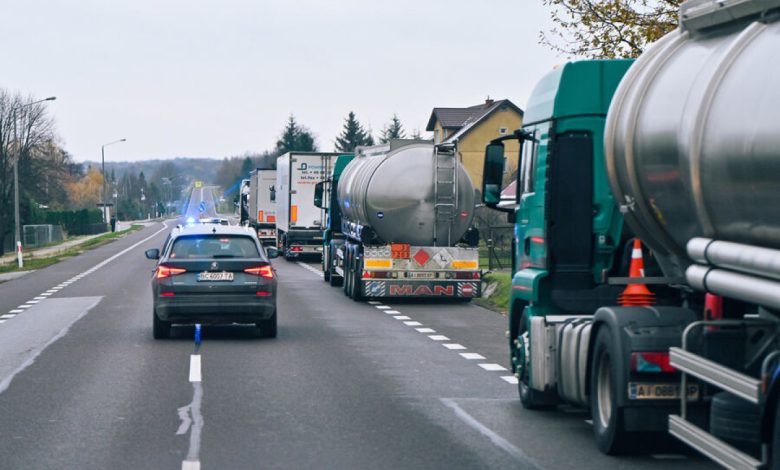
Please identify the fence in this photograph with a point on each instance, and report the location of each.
(495, 247)
(39, 235)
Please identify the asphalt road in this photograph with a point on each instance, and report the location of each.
(346, 385)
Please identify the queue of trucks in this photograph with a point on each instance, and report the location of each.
(646, 254)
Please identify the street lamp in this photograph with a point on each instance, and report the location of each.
(103, 166)
(17, 222)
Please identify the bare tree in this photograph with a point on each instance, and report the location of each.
(606, 29)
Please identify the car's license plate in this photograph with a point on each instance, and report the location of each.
(209, 276)
(422, 275)
(660, 391)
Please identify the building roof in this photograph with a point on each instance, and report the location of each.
(463, 120)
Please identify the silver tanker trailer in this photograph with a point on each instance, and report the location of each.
(406, 211)
(692, 147)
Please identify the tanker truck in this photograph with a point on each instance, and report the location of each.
(673, 160)
(406, 209)
(262, 204)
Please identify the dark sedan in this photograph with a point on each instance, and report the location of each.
(213, 274)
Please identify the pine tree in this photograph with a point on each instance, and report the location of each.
(352, 135)
(295, 138)
(394, 130)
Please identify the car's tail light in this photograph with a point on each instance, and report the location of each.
(262, 271)
(651, 362)
(167, 271)
(262, 293)
(167, 294)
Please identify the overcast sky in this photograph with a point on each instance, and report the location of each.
(204, 78)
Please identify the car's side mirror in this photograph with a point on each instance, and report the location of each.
(493, 173)
(318, 192)
(272, 252)
(153, 253)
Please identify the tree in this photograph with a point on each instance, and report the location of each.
(394, 130)
(352, 135)
(605, 29)
(295, 138)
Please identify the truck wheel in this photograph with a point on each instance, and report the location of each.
(736, 422)
(356, 295)
(326, 265)
(347, 271)
(604, 389)
(530, 398)
(160, 329)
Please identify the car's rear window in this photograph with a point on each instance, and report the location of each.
(214, 246)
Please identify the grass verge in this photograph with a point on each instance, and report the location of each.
(42, 262)
(496, 290)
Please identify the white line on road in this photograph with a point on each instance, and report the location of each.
(425, 330)
(492, 367)
(32, 302)
(195, 368)
(7, 316)
(438, 337)
(382, 307)
(24, 306)
(39, 298)
(454, 346)
(510, 379)
(402, 317)
(16, 310)
(472, 356)
(497, 440)
(396, 312)
(374, 302)
(412, 323)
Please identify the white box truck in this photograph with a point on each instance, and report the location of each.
(262, 204)
(299, 223)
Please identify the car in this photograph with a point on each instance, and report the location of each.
(213, 274)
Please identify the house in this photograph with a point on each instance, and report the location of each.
(473, 128)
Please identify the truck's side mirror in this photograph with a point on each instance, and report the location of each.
(318, 191)
(493, 173)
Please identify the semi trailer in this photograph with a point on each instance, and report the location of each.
(262, 204)
(405, 210)
(675, 160)
(299, 223)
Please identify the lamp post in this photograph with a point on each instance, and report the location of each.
(103, 169)
(17, 222)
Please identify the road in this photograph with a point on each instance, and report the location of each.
(346, 385)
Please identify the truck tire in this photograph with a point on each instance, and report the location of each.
(736, 421)
(326, 265)
(160, 329)
(356, 295)
(607, 417)
(347, 271)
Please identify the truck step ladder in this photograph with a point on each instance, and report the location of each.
(445, 194)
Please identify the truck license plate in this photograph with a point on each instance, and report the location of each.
(209, 276)
(660, 391)
(421, 275)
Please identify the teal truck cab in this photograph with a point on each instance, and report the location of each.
(333, 238)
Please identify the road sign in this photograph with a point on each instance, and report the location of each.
(202, 206)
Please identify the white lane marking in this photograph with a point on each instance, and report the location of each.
(39, 298)
(374, 302)
(510, 379)
(190, 465)
(3, 321)
(454, 346)
(45, 294)
(438, 337)
(50, 291)
(402, 317)
(396, 312)
(7, 316)
(16, 310)
(24, 306)
(472, 356)
(195, 368)
(193, 459)
(311, 269)
(425, 330)
(492, 367)
(382, 307)
(497, 440)
(32, 302)
(412, 323)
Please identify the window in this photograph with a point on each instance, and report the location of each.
(503, 130)
(527, 167)
(214, 246)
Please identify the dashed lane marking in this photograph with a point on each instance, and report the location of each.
(454, 346)
(39, 298)
(472, 356)
(492, 367)
(402, 317)
(16, 310)
(374, 302)
(510, 379)
(425, 330)
(195, 368)
(439, 338)
(382, 307)
(412, 323)
(392, 311)
(7, 316)
(24, 306)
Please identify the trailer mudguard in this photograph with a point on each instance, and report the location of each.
(655, 328)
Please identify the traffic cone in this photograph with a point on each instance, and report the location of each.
(636, 295)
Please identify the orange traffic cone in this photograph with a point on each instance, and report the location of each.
(636, 295)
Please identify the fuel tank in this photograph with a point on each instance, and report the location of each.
(414, 193)
(692, 141)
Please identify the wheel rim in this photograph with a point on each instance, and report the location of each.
(604, 390)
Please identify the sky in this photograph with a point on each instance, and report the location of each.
(197, 78)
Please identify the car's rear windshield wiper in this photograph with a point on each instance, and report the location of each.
(224, 256)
